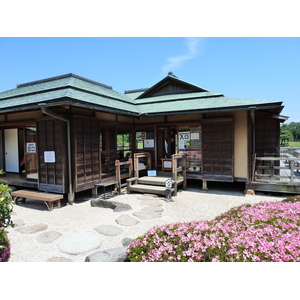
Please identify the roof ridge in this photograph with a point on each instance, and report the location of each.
(61, 77)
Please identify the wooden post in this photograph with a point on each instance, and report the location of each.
(292, 170)
(204, 185)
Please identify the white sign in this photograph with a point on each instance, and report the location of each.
(49, 156)
(151, 173)
(184, 137)
(195, 136)
(148, 143)
(168, 164)
(30, 148)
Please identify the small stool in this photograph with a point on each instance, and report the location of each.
(104, 185)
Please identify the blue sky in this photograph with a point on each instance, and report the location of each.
(243, 67)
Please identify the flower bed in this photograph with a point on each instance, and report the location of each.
(4, 246)
(268, 231)
(6, 209)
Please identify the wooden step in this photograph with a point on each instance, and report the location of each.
(160, 181)
(156, 180)
(150, 189)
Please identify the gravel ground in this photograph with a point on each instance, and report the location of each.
(189, 205)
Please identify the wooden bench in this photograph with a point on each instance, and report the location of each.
(49, 199)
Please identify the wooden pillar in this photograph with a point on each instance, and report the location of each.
(204, 185)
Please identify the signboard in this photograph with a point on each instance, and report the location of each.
(183, 139)
(141, 135)
(148, 143)
(49, 156)
(30, 148)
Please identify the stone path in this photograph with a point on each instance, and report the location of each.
(84, 242)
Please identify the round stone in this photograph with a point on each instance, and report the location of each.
(80, 242)
(126, 220)
(32, 228)
(147, 215)
(109, 230)
(154, 202)
(59, 259)
(152, 208)
(48, 237)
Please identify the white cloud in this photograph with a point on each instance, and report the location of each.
(174, 62)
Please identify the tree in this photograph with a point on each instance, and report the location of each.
(295, 130)
(285, 136)
(292, 129)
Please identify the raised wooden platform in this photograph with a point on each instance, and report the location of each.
(149, 185)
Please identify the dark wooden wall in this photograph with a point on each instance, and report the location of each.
(86, 135)
(52, 136)
(267, 135)
(217, 149)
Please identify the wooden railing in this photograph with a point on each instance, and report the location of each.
(123, 170)
(179, 162)
(144, 165)
(276, 169)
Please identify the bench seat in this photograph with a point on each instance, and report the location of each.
(49, 199)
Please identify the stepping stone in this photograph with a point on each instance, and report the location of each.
(59, 259)
(126, 241)
(32, 228)
(111, 255)
(153, 202)
(48, 237)
(147, 215)
(109, 230)
(126, 220)
(80, 242)
(152, 208)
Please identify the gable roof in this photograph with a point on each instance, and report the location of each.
(169, 96)
(170, 85)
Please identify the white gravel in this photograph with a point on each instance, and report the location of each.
(189, 205)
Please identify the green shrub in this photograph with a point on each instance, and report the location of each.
(6, 208)
(4, 246)
(292, 199)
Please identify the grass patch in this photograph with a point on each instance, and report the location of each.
(293, 144)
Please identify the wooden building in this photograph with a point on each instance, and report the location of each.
(64, 134)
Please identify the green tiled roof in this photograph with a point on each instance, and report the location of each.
(76, 90)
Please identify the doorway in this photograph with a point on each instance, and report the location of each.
(11, 144)
(166, 145)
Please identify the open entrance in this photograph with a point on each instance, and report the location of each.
(20, 153)
(166, 147)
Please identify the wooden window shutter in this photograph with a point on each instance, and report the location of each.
(52, 136)
(217, 149)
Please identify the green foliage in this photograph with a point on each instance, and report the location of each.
(6, 206)
(290, 131)
(286, 135)
(6, 209)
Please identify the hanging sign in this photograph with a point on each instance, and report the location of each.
(30, 148)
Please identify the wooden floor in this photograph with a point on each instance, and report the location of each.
(282, 182)
(17, 179)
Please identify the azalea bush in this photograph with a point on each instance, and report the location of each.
(6, 208)
(268, 231)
